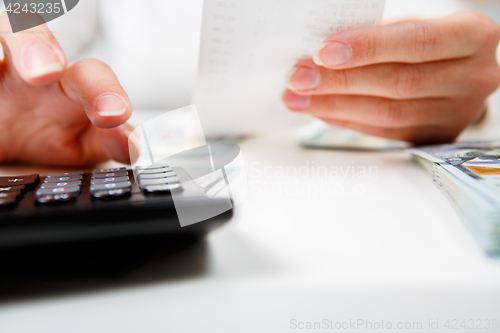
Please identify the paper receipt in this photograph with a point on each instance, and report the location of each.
(247, 47)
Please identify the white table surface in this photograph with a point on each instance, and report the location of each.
(394, 251)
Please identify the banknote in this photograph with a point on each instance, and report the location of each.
(475, 163)
(468, 173)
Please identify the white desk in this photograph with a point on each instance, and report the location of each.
(394, 252)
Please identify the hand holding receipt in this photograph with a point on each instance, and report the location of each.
(421, 81)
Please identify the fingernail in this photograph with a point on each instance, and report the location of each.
(110, 106)
(303, 78)
(296, 102)
(40, 60)
(332, 54)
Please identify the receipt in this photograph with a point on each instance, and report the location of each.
(247, 47)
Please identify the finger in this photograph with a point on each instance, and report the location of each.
(416, 135)
(2, 55)
(100, 145)
(414, 41)
(34, 53)
(371, 111)
(93, 84)
(394, 80)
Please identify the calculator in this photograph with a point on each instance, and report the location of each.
(103, 203)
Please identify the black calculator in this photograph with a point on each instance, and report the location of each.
(104, 203)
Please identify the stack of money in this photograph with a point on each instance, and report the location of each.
(469, 175)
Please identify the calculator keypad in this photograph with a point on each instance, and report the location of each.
(113, 183)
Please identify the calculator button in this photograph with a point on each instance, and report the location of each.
(62, 184)
(109, 180)
(109, 186)
(21, 188)
(7, 202)
(55, 198)
(30, 181)
(15, 195)
(157, 175)
(153, 171)
(160, 188)
(110, 194)
(109, 170)
(58, 190)
(63, 179)
(110, 175)
(151, 168)
(65, 174)
(163, 181)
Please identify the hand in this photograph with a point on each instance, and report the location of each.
(422, 81)
(52, 113)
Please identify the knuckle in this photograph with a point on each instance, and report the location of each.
(423, 37)
(389, 112)
(339, 80)
(486, 30)
(89, 63)
(408, 79)
(488, 78)
(326, 107)
(370, 47)
(489, 32)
